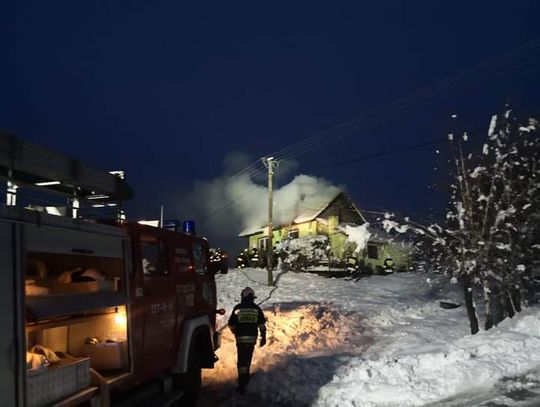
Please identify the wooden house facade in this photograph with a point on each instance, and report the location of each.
(326, 221)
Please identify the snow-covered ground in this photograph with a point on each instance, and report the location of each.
(380, 341)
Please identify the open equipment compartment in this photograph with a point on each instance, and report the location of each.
(76, 302)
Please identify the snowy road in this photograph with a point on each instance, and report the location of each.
(381, 341)
(518, 391)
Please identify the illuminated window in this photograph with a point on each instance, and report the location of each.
(372, 251)
(154, 261)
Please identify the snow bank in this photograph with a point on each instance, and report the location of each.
(381, 341)
(422, 375)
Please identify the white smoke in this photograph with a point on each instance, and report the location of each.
(229, 204)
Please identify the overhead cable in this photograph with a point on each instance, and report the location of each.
(493, 67)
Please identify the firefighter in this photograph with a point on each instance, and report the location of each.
(275, 256)
(388, 265)
(242, 259)
(245, 322)
(254, 258)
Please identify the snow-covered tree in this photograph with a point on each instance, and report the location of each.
(489, 240)
(490, 223)
(299, 253)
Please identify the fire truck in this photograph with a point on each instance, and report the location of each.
(96, 312)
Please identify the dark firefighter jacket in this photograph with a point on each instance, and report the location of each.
(245, 320)
(388, 263)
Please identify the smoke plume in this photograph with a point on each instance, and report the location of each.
(230, 204)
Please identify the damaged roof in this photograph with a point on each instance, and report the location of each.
(306, 215)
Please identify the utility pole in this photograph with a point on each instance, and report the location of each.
(271, 165)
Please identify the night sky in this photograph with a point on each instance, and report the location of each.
(165, 90)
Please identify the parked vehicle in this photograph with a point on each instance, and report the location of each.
(98, 312)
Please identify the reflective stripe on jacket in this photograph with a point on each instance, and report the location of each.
(246, 320)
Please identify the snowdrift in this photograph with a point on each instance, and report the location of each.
(381, 341)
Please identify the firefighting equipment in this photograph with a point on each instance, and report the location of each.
(35, 361)
(80, 274)
(247, 292)
(49, 355)
(31, 288)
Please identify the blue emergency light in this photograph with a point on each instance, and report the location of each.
(188, 227)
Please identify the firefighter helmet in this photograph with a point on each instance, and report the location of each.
(248, 291)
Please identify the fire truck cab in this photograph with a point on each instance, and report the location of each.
(93, 313)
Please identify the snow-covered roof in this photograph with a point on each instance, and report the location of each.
(306, 215)
(310, 214)
(253, 231)
(379, 235)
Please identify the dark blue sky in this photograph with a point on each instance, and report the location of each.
(166, 89)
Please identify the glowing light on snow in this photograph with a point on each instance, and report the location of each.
(304, 330)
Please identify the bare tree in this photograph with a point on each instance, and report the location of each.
(488, 241)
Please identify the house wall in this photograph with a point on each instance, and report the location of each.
(305, 229)
(400, 254)
(253, 240)
(340, 210)
(343, 209)
(339, 246)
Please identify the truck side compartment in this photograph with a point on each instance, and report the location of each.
(96, 311)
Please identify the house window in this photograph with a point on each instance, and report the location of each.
(372, 251)
(294, 233)
(262, 243)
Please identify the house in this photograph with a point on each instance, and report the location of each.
(327, 220)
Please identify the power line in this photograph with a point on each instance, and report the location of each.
(491, 67)
(385, 153)
(495, 66)
(363, 158)
(401, 105)
(367, 157)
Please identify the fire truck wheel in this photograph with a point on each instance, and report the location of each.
(190, 382)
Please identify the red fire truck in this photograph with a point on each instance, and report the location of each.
(96, 313)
